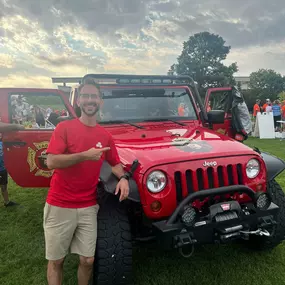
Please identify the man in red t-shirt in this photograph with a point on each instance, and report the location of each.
(76, 152)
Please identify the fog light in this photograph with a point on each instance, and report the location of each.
(188, 216)
(155, 206)
(259, 187)
(262, 200)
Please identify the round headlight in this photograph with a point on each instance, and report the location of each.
(252, 168)
(156, 181)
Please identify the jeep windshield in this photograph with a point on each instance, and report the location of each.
(146, 105)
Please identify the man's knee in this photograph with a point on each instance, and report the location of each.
(86, 261)
(56, 263)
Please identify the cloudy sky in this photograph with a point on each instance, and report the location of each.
(49, 38)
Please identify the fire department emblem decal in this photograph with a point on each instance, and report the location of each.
(191, 145)
(37, 159)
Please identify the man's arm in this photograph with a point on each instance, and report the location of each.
(113, 158)
(123, 184)
(66, 160)
(118, 170)
(63, 160)
(4, 127)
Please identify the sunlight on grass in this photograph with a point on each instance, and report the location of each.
(23, 262)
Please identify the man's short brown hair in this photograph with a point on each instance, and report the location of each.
(89, 81)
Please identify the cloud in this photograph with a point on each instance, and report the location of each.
(6, 61)
(25, 80)
(41, 39)
(271, 56)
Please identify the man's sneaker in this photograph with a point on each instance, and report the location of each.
(10, 203)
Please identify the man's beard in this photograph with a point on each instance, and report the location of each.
(83, 109)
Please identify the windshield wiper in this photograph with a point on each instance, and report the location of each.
(121, 122)
(164, 120)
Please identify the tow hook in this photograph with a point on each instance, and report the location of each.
(183, 242)
(184, 253)
(258, 232)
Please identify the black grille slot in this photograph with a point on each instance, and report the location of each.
(239, 173)
(189, 181)
(230, 174)
(221, 176)
(178, 183)
(200, 178)
(210, 174)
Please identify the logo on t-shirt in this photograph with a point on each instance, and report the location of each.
(99, 145)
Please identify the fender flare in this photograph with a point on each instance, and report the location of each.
(274, 165)
(109, 182)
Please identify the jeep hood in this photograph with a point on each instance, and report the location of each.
(171, 145)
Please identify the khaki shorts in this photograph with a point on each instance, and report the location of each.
(70, 229)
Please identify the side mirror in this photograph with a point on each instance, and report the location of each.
(216, 117)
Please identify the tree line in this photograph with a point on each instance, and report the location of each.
(202, 58)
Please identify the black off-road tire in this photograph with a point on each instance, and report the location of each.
(278, 234)
(113, 258)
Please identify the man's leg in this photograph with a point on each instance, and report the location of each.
(4, 189)
(84, 269)
(55, 272)
(5, 195)
(59, 226)
(84, 242)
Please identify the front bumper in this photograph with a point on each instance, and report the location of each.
(220, 223)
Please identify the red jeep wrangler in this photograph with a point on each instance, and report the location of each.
(191, 181)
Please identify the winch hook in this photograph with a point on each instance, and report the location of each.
(186, 255)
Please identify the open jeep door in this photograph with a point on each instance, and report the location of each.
(39, 110)
(237, 123)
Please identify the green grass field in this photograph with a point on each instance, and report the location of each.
(22, 258)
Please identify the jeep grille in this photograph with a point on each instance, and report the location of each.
(206, 178)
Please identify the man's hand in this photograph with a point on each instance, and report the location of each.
(6, 127)
(94, 153)
(123, 187)
(19, 127)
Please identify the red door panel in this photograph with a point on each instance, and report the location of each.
(213, 100)
(25, 151)
(24, 154)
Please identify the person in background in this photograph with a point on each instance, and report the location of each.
(21, 109)
(276, 109)
(266, 104)
(40, 119)
(268, 108)
(256, 108)
(283, 110)
(3, 172)
(209, 107)
(181, 109)
(4, 179)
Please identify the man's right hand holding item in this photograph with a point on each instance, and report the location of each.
(94, 153)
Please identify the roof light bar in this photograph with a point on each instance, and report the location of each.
(140, 79)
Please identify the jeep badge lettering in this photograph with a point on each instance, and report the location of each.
(211, 163)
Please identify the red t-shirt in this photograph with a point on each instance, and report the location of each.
(75, 186)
